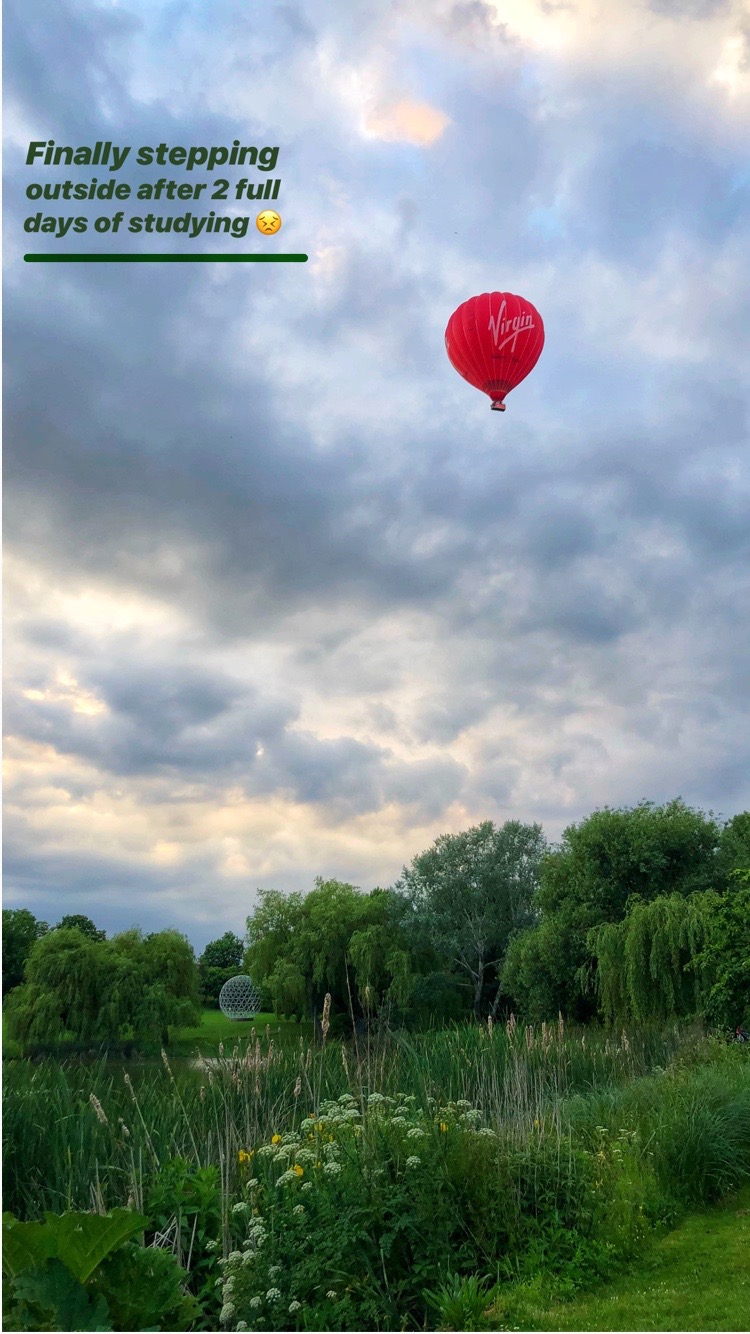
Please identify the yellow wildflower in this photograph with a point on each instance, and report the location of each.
(299, 1170)
(245, 1156)
(319, 1127)
(318, 1163)
(276, 1139)
(443, 1128)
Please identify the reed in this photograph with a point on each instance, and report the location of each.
(56, 1143)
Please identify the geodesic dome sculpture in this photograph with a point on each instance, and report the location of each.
(238, 998)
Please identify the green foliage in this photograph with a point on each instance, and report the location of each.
(690, 1123)
(184, 1203)
(144, 1289)
(723, 961)
(79, 922)
(523, 1154)
(463, 1303)
(646, 850)
(542, 968)
(694, 1278)
(602, 864)
(21, 930)
(101, 991)
(82, 1271)
(226, 952)
(335, 939)
(220, 960)
(79, 1241)
(676, 956)
(49, 1107)
(47, 1296)
(470, 892)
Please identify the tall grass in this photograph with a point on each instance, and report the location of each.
(93, 1136)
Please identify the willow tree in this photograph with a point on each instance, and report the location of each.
(677, 957)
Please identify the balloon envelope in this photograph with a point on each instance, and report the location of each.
(494, 340)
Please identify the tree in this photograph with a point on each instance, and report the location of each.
(335, 939)
(471, 891)
(220, 960)
(79, 922)
(226, 952)
(104, 991)
(21, 930)
(65, 983)
(678, 957)
(604, 865)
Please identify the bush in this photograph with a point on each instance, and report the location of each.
(352, 1220)
(84, 1271)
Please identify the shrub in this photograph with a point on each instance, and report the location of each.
(83, 1271)
(351, 1220)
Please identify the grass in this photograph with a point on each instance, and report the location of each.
(215, 1028)
(583, 1147)
(695, 1278)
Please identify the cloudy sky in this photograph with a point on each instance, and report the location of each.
(283, 597)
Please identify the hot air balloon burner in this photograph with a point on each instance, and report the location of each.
(497, 406)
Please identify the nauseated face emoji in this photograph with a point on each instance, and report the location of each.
(268, 222)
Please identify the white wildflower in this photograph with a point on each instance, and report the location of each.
(274, 1295)
(255, 1302)
(413, 1161)
(298, 1209)
(274, 1270)
(307, 1185)
(227, 1313)
(374, 1099)
(415, 1133)
(294, 1306)
(332, 1294)
(332, 1169)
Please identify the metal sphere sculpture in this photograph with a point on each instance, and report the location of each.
(238, 998)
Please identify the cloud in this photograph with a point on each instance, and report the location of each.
(406, 122)
(284, 598)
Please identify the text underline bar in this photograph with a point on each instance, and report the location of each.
(156, 258)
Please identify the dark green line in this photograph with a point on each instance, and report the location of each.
(164, 259)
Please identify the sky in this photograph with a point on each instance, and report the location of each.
(283, 597)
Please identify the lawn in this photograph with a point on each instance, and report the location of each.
(215, 1028)
(695, 1278)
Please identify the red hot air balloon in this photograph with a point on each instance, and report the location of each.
(494, 340)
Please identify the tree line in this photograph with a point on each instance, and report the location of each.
(638, 913)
